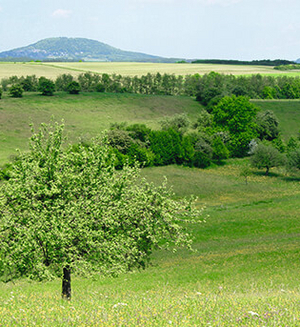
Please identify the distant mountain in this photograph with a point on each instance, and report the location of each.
(75, 49)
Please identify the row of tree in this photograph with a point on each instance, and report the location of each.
(208, 88)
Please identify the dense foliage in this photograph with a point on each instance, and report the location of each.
(16, 91)
(46, 86)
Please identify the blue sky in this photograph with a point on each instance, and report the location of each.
(205, 29)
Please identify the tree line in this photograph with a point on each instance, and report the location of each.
(208, 88)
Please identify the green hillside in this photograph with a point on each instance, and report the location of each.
(85, 115)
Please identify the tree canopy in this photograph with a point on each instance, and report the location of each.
(70, 210)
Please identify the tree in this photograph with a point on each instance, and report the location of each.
(267, 125)
(266, 156)
(46, 86)
(16, 91)
(236, 115)
(64, 211)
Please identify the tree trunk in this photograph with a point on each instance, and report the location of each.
(66, 283)
(267, 171)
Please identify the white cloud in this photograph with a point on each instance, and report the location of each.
(61, 13)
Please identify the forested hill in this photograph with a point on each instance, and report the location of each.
(74, 49)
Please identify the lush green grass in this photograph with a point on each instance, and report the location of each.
(85, 115)
(245, 271)
(288, 113)
(52, 70)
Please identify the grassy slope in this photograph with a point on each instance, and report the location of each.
(52, 70)
(288, 113)
(85, 114)
(248, 250)
(247, 261)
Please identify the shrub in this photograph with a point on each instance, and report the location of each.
(179, 123)
(73, 87)
(46, 86)
(16, 91)
(139, 132)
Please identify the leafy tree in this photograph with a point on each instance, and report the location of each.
(266, 156)
(236, 115)
(16, 91)
(46, 86)
(267, 125)
(64, 211)
(73, 87)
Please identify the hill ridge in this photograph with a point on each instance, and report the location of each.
(74, 49)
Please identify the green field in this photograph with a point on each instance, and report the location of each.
(52, 70)
(245, 271)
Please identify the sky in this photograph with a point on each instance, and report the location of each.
(190, 29)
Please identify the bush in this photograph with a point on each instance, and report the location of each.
(46, 86)
(139, 132)
(16, 91)
(73, 87)
(179, 123)
(100, 88)
(0, 93)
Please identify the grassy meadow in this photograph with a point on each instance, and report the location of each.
(85, 115)
(52, 70)
(244, 272)
(245, 267)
